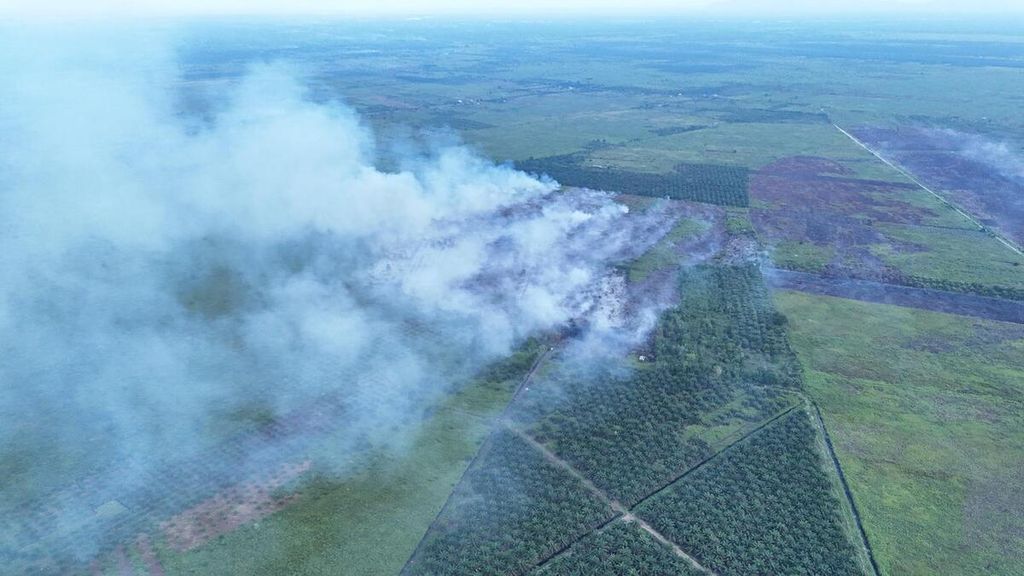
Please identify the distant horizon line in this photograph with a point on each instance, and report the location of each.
(608, 17)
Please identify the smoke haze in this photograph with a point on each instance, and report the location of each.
(168, 281)
(1000, 156)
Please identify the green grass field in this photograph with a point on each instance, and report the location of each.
(967, 255)
(925, 412)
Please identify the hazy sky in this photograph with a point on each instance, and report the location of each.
(408, 8)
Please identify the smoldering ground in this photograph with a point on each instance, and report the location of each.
(170, 284)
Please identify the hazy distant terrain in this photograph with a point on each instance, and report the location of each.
(426, 297)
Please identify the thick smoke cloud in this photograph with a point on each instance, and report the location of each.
(164, 279)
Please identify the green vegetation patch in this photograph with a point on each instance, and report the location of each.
(665, 253)
(764, 506)
(737, 222)
(954, 259)
(801, 255)
(719, 364)
(621, 548)
(747, 144)
(511, 510)
(711, 183)
(925, 412)
(370, 520)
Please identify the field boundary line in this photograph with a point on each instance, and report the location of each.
(628, 515)
(981, 227)
(554, 459)
(565, 548)
(616, 506)
(618, 509)
(676, 549)
(714, 455)
(480, 451)
(976, 305)
(846, 487)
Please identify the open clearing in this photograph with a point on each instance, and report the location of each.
(924, 407)
(984, 177)
(881, 293)
(925, 412)
(817, 218)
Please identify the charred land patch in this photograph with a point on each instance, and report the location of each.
(817, 218)
(972, 169)
(907, 296)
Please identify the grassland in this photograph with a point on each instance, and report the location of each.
(955, 255)
(925, 412)
(539, 89)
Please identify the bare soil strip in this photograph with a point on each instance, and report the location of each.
(551, 457)
(909, 297)
(231, 508)
(665, 541)
(145, 549)
(124, 565)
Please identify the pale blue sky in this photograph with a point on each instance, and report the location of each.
(409, 8)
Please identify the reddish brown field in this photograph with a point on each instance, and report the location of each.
(124, 565)
(231, 508)
(982, 177)
(811, 201)
(145, 549)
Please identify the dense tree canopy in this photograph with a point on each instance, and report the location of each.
(764, 506)
(711, 183)
(511, 509)
(623, 549)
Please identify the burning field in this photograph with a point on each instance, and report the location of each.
(818, 218)
(982, 176)
(191, 303)
(821, 219)
(186, 495)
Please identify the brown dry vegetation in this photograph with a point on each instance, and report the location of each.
(231, 508)
(816, 219)
(951, 162)
(149, 558)
(805, 201)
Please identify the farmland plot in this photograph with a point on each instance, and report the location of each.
(817, 218)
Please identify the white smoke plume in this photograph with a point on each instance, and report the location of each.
(161, 275)
(1005, 159)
